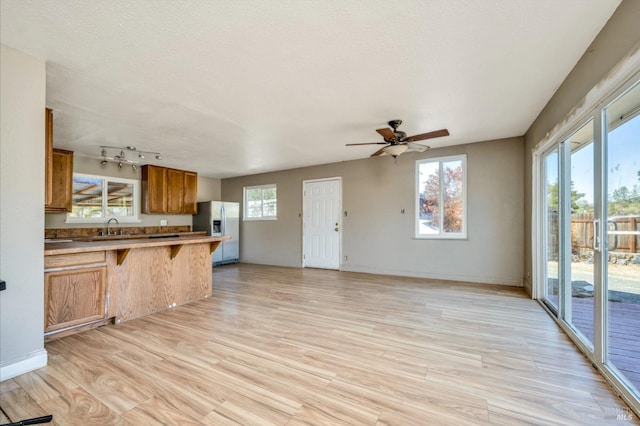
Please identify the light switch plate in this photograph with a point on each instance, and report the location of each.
(163, 222)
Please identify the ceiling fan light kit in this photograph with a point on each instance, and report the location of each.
(395, 150)
(397, 142)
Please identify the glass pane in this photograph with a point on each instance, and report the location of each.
(623, 234)
(87, 197)
(551, 228)
(119, 199)
(581, 304)
(429, 204)
(254, 202)
(452, 196)
(269, 205)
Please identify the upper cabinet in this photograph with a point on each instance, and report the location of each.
(190, 193)
(154, 189)
(48, 156)
(58, 168)
(175, 191)
(168, 191)
(62, 181)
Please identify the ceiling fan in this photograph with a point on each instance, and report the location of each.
(397, 141)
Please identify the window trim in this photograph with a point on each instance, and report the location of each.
(245, 204)
(416, 193)
(105, 181)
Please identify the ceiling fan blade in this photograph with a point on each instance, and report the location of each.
(366, 143)
(417, 147)
(378, 152)
(430, 135)
(387, 134)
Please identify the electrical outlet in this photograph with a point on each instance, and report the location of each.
(164, 222)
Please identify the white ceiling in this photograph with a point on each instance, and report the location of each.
(230, 88)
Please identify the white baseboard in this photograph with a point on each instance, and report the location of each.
(514, 282)
(34, 360)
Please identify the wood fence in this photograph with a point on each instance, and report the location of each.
(623, 233)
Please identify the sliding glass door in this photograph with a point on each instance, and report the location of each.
(551, 229)
(579, 305)
(622, 235)
(589, 228)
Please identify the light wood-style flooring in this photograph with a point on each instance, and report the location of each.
(288, 346)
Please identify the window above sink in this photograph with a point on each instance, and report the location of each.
(97, 198)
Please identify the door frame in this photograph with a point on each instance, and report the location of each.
(304, 227)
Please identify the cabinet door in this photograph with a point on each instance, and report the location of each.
(190, 193)
(48, 156)
(154, 189)
(175, 191)
(74, 297)
(62, 181)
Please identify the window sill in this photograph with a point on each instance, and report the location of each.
(441, 237)
(101, 220)
(254, 219)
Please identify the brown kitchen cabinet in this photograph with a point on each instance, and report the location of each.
(175, 191)
(61, 189)
(168, 191)
(75, 291)
(190, 193)
(48, 156)
(154, 189)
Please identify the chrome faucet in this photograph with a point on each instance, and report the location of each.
(109, 223)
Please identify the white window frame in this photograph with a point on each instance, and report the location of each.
(105, 182)
(245, 206)
(441, 235)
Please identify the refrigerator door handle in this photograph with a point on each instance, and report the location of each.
(224, 220)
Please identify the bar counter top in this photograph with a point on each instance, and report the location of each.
(89, 244)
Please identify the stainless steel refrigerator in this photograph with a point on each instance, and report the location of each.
(220, 219)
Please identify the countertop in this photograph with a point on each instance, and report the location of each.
(136, 241)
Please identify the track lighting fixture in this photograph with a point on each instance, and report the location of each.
(121, 157)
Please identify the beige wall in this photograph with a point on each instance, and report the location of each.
(22, 93)
(208, 189)
(614, 42)
(378, 238)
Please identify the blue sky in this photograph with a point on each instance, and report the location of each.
(623, 160)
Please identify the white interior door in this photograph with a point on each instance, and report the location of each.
(322, 225)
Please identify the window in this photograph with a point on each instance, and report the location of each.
(260, 202)
(98, 198)
(441, 197)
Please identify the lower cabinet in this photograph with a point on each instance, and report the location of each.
(75, 294)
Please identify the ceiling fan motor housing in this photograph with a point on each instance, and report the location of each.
(400, 135)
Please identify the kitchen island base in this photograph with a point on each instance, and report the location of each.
(90, 284)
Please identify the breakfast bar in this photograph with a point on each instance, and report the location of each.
(94, 281)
